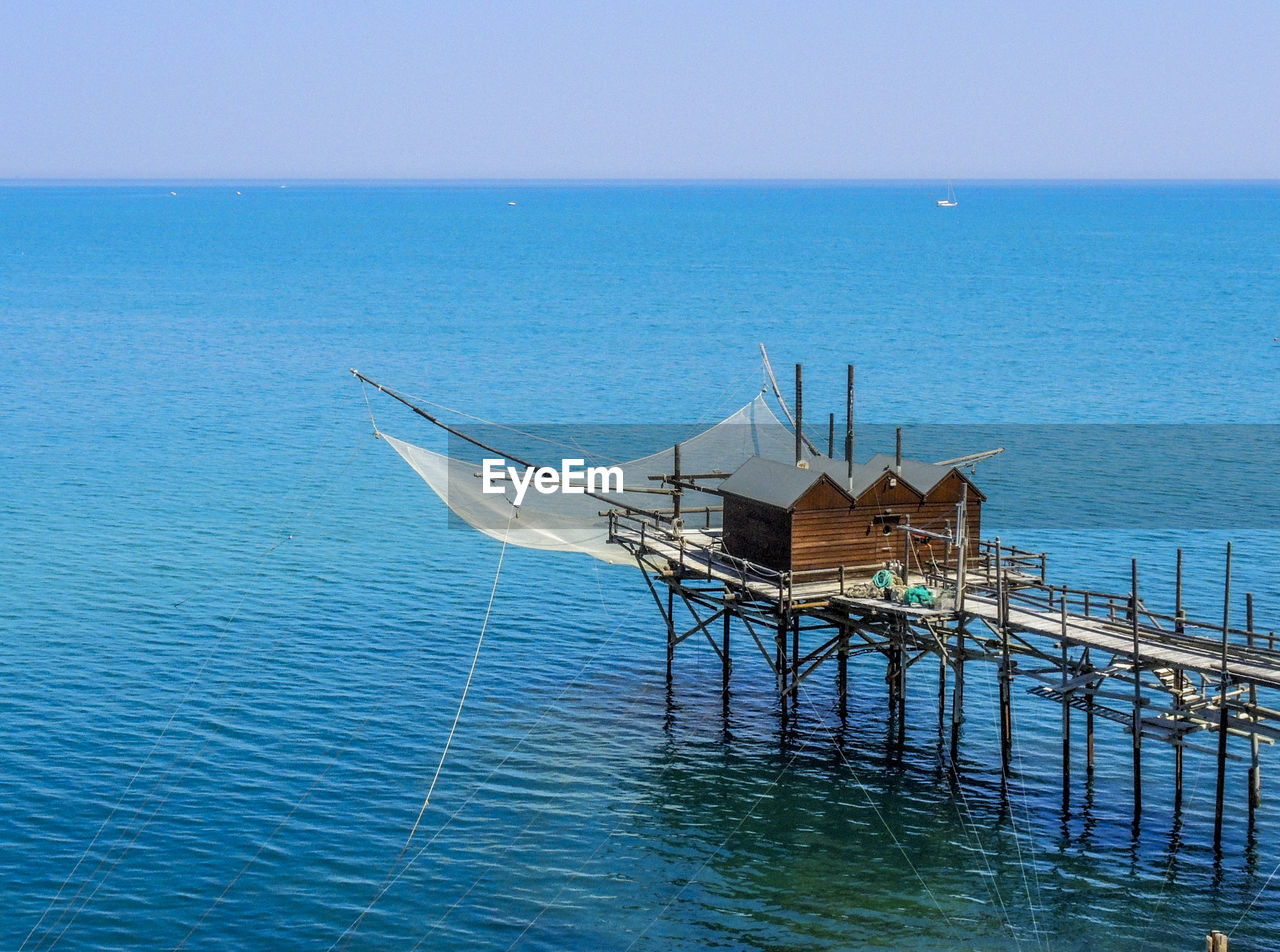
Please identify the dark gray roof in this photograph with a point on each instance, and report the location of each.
(782, 484)
(771, 482)
(923, 476)
(917, 474)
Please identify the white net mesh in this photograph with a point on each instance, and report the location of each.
(575, 522)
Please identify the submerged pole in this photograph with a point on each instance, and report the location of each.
(842, 661)
(1222, 709)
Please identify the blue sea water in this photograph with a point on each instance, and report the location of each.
(236, 626)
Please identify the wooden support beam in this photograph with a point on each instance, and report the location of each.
(891, 674)
(1255, 769)
(1006, 672)
(1137, 695)
(1088, 723)
(843, 664)
(957, 697)
(724, 651)
(1179, 706)
(795, 661)
(902, 684)
(1066, 709)
(780, 641)
(671, 630)
(942, 688)
(1178, 675)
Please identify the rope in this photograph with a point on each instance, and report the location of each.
(1166, 878)
(125, 830)
(511, 429)
(278, 827)
(1031, 847)
(697, 872)
(465, 688)
(874, 809)
(374, 423)
(976, 837)
(120, 802)
(1252, 902)
(965, 812)
(392, 880)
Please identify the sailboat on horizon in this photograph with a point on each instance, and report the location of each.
(950, 200)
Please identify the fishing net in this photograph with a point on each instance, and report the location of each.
(568, 522)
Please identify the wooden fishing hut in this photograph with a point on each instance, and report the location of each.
(828, 514)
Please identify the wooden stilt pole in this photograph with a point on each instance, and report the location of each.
(795, 662)
(1088, 721)
(1006, 714)
(957, 697)
(902, 684)
(671, 630)
(1255, 769)
(1066, 708)
(1137, 695)
(831, 436)
(780, 641)
(843, 662)
(724, 651)
(1222, 709)
(891, 674)
(848, 424)
(942, 690)
(1178, 675)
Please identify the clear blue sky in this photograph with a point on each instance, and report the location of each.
(513, 89)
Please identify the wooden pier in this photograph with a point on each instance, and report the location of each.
(819, 559)
(1163, 677)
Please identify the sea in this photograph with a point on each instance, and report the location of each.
(237, 628)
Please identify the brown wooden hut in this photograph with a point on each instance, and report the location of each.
(795, 519)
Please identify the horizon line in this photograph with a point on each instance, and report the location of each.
(109, 181)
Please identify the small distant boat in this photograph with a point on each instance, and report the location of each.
(950, 200)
